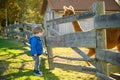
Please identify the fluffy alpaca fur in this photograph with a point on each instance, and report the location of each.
(112, 34)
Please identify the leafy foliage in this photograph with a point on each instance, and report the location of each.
(20, 11)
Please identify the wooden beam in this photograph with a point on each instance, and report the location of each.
(104, 76)
(116, 76)
(83, 39)
(107, 21)
(50, 57)
(81, 53)
(17, 33)
(56, 33)
(109, 56)
(77, 59)
(99, 8)
(15, 26)
(27, 32)
(113, 68)
(70, 18)
(30, 25)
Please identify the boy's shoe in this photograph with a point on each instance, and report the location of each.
(37, 73)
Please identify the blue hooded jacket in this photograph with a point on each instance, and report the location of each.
(35, 45)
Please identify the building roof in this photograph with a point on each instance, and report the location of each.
(79, 5)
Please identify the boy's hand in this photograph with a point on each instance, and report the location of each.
(45, 53)
(35, 54)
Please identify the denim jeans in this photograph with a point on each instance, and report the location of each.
(37, 61)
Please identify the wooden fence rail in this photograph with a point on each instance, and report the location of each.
(73, 40)
(19, 31)
(107, 21)
(70, 18)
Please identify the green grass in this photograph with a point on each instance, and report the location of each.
(15, 64)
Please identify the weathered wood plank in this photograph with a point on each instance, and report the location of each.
(109, 56)
(54, 31)
(15, 26)
(50, 58)
(30, 25)
(107, 21)
(104, 76)
(17, 33)
(83, 39)
(70, 18)
(99, 8)
(14, 31)
(81, 53)
(115, 75)
(27, 32)
(113, 68)
(77, 59)
(77, 68)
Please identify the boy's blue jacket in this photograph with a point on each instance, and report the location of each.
(35, 45)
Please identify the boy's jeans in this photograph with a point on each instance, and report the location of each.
(37, 62)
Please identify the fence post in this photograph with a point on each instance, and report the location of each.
(49, 50)
(99, 8)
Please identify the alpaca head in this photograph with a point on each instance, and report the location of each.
(68, 10)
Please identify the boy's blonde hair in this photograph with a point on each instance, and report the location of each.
(37, 29)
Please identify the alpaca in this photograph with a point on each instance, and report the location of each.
(70, 11)
(112, 34)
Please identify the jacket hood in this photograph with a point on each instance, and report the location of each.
(29, 40)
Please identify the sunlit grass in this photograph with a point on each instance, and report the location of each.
(15, 64)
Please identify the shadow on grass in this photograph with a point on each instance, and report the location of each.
(5, 45)
(3, 65)
(12, 73)
(18, 75)
(27, 73)
(47, 74)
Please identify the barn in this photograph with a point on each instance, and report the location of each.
(52, 9)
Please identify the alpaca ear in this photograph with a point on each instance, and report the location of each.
(71, 7)
(64, 7)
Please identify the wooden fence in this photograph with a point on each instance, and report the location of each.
(95, 39)
(19, 31)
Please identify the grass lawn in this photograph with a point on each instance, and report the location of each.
(17, 64)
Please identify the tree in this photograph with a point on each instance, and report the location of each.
(30, 10)
(2, 11)
(19, 10)
(9, 11)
